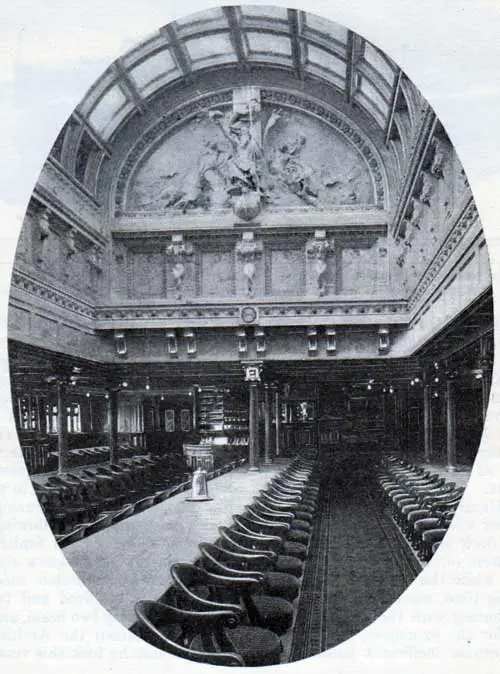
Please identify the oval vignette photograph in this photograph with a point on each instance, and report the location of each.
(250, 336)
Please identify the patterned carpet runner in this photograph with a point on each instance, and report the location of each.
(358, 564)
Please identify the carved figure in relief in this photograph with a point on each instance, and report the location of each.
(318, 251)
(240, 166)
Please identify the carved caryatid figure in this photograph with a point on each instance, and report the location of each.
(248, 251)
(179, 252)
(43, 221)
(318, 250)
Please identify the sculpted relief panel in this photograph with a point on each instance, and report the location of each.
(247, 157)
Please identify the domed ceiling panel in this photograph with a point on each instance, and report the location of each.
(284, 157)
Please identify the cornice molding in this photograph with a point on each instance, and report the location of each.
(43, 291)
(464, 222)
(292, 313)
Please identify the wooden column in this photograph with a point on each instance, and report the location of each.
(277, 416)
(485, 362)
(451, 425)
(427, 423)
(485, 390)
(253, 426)
(113, 425)
(267, 425)
(62, 428)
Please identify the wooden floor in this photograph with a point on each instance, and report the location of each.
(131, 560)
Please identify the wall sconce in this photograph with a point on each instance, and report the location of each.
(172, 346)
(260, 340)
(190, 338)
(331, 340)
(120, 344)
(383, 340)
(242, 340)
(312, 340)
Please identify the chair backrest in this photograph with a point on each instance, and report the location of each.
(179, 626)
(242, 542)
(144, 503)
(250, 526)
(76, 535)
(219, 560)
(198, 589)
(265, 509)
(102, 522)
(266, 521)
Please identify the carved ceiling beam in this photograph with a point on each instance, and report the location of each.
(178, 51)
(413, 172)
(128, 86)
(393, 105)
(297, 49)
(235, 34)
(354, 52)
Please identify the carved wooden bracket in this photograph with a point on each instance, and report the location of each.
(172, 346)
(383, 340)
(312, 340)
(242, 340)
(120, 343)
(331, 340)
(190, 338)
(260, 340)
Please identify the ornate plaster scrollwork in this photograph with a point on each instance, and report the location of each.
(179, 253)
(318, 250)
(248, 252)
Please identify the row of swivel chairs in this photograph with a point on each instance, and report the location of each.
(236, 602)
(423, 503)
(79, 504)
(87, 456)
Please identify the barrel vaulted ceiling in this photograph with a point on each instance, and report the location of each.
(229, 46)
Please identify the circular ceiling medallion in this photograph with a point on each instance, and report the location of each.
(249, 314)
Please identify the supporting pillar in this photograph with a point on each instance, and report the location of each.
(62, 428)
(113, 425)
(253, 427)
(485, 362)
(451, 425)
(277, 426)
(427, 423)
(267, 425)
(485, 390)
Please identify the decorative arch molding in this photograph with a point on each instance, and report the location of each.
(171, 122)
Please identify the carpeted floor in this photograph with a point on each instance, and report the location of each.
(358, 562)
